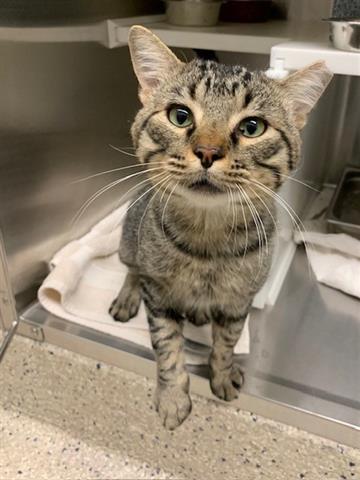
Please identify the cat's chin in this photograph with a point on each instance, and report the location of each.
(203, 195)
(205, 187)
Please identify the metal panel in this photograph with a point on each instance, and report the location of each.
(61, 106)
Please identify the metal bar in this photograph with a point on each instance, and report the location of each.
(8, 312)
(8, 337)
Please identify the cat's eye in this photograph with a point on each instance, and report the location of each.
(180, 116)
(252, 127)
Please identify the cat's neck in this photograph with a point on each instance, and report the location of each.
(214, 217)
(215, 226)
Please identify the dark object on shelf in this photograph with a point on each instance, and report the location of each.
(343, 215)
(206, 54)
(246, 11)
(55, 12)
(346, 9)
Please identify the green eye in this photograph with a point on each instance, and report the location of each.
(180, 117)
(252, 127)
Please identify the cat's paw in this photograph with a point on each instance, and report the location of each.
(226, 387)
(173, 406)
(125, 306)
(237, 376)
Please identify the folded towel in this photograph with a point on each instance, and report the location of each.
(86, 275)
(334, 257)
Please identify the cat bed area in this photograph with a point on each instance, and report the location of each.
(86, 275)
(295, 370)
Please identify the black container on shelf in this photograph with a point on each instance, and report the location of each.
(246, 10)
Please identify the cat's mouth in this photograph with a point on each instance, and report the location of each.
(204, 185)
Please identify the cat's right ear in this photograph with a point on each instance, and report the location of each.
(303, 89)
(151, 59)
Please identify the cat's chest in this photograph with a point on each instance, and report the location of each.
(199, 290)
(189, 280)
(197, 282)
(199, 278)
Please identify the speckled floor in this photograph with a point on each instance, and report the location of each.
(64, 416)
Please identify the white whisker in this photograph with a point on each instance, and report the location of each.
(111, 171)
(184, 56)
(161, 182)
(102, 190)
(164, 191)
(234, 219)
(130, 147)
(260, 254)
(166, 204)
(263, 241)
(283, 202)
(268, 210)
(228, 206)
(122, 151)
(290, 211)
(135, 201)
(245, 222)
(299, 181)
(142, 195)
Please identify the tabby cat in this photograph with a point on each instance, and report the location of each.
(217, 141)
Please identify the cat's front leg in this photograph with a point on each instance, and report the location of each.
(172, 399)
(226, 377)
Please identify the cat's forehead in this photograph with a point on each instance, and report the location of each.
(219, 74)
(213, 84)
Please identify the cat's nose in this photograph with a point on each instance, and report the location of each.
(208, 154)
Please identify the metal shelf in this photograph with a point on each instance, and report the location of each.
(232, 37)
(293, 55)
(93, 32)
(290, 44)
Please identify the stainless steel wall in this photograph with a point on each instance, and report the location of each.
(343, 138)
(61, 105)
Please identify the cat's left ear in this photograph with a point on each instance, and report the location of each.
(304, 88)
(152, 60)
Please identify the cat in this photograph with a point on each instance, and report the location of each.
(217, 141)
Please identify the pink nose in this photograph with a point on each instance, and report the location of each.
(208, 154)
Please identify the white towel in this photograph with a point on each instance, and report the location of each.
(334, 257)
(86, 275)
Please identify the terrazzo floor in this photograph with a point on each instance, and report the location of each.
(64, 416)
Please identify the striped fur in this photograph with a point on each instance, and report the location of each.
(199, 251)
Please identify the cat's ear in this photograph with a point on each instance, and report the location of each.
(304, 88)
(151, 59)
